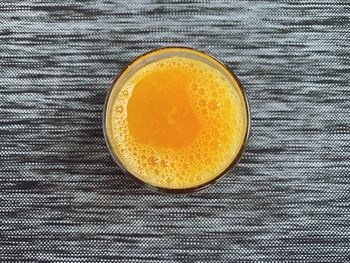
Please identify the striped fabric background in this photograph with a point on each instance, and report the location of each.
(62, 199)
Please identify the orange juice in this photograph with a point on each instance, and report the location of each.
(178, 121)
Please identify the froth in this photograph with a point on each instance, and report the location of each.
(217, 106)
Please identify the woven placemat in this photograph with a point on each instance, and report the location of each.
(62, 198)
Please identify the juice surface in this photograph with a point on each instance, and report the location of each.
(178, 123)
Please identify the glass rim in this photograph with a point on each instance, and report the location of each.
(220, 175)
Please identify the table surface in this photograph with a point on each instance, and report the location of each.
(62, 198)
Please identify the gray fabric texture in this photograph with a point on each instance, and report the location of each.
(63, 199)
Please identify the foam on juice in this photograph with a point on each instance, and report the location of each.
(178, 123)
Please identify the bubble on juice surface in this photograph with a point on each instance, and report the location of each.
(164, 163)
(203, 102)
(214, 105)
(125, 93)
(119, 109)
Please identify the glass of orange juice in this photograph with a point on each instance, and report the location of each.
(176, 120)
